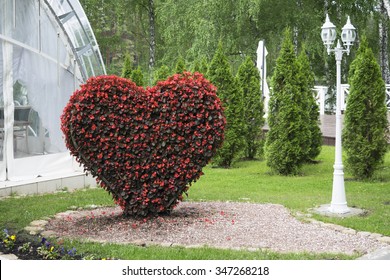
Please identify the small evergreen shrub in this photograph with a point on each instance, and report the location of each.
(200, 65)
(180, 65)
(220, 74)
(365, 124)
(145, 147)
(248, 77)
(138, 77)
(288, 139)
(204, 66)
(307, 85)
(161, 74)
(127, 67)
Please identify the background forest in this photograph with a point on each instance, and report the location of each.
(158, 32)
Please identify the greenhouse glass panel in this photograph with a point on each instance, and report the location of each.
(47, 49)
(2, 147)
(28, 18)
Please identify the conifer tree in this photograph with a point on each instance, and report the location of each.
(127, 68)
(161, 74)
(288, 137)
(138, 77)
(196, 66)
(307, 86)
(180, 65)
(200, 65)
(204, 65)
(365, 125)
(220, 74)
(248, 77)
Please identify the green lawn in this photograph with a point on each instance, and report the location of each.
(251, 181)
(129, 252)
(248, 181)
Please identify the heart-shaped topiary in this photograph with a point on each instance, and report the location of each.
(145, 147)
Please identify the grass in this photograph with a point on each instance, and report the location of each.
(16, 213)
(251, 181)
(248, 181)
(130, 252)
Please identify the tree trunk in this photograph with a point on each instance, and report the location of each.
(384, 10)
(295, 39)
(296, 29)
(152, 36)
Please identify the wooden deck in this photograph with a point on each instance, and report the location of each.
(328, 129)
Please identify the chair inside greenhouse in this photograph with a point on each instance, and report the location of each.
(47, 49)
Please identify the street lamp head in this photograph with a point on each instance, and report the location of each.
(328, 33)
(348, 34)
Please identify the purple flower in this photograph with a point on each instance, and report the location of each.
(72, 252)
(45, 242)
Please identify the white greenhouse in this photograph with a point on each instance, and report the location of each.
(47, 49)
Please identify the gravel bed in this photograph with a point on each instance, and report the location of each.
(214, 224)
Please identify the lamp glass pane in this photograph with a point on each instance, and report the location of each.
(348, 36)
(328, 35)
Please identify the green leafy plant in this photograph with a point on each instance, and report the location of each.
(51, 251)
(8, 239)
(43, 249)
(25, 248)
(47, 251)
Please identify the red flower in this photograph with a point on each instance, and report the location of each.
(145, 147)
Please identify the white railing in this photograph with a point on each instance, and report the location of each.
(321, 93)
(322, 96)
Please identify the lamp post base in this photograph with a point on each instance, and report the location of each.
(341, 208)
(338, 204)
(325, 210)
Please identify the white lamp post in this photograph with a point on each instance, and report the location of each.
(348, 35)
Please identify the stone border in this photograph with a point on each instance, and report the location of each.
(380, 254)
(308, 218)
(7, 257)
(377, 236)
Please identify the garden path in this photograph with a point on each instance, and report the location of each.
(230, 225)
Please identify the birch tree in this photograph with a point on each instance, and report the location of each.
(384, 12)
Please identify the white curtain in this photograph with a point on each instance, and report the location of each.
(7, 89)
(39, 73)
